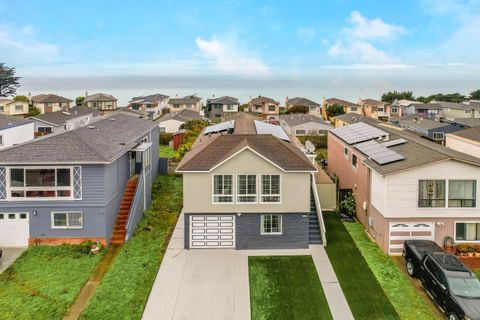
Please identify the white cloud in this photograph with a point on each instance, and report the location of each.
(355, 43)
(306, 34)
(19, 44)
(227, 57)
(364, 28)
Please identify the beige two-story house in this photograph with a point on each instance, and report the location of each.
(101, 102)
(11, 107)
(46, 103)
(267, 108)
(246, 186)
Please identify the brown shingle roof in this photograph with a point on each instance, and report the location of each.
(341, 102)
(470, 134)
(260, 100)
(218, 148)
(49, 98)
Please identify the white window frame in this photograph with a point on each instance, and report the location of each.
(394, 110)
(9, 188)
(262, 224)
(219, 195)
(52, 220)
(355, 167)
(447, 194)
(237, 188)
(147, 155)
(455, 232)
(271, 195)
(299, 132)
(51, 127)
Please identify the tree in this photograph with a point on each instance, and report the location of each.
(8, 81)
(335, 110)
(449, 97)
(475, 95)
(79, 101)
(297, 109)
(195, 125)
(21, 99)
(399, 95)
(424, 99)
(243, 107)
(33, 111)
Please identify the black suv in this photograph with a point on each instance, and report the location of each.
(453, 287)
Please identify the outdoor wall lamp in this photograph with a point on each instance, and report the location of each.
(34, 212)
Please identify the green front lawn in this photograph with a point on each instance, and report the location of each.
(124, 290)
(398, 288)
(44, 282)
(167, 152)
(286, 288)
(365, 296)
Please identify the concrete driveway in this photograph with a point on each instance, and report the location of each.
(9, 256)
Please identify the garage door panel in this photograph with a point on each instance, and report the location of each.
(14, 229)
(216, 231)
(401, 231)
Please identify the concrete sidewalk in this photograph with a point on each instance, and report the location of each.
(213, 284)
(10, 254)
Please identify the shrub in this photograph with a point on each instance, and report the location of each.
(297, 109)
(335, 110)
(165, 138)
(347, 205)
(195, 124)
(317, 140)
(463, 248)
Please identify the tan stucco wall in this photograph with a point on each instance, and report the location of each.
(197, 187)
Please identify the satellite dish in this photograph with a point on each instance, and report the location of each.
(310, 146)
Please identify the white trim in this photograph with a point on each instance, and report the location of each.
(55, 188)
(51, 127)
(190, 233)
(52, 226)
(261, 188)
(262, 221)
(455, 232)
(447, 193)
(246, 195)
(220, 195)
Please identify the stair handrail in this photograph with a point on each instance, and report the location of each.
(318, 208)
(132, 210)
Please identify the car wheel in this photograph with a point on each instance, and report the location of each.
(410, 268)
(452, 316)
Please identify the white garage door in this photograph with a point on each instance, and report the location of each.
(14, 230)
(212, 231)
(401, 231)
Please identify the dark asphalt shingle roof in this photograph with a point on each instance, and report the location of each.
(182, 115)
(49, 98)
(298, 101)
(59, 118)
(206, 156)
(100, 97)
(150, 98)
(341, 102)
(7, 121)
(260, 100)
(184, 100)
(416, 120)
(102, 142)
(352, 117)
(223, 100)
(468, 122)
(427, 106)
(297, 119)
(470, 134)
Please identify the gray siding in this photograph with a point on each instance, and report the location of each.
(247, 232)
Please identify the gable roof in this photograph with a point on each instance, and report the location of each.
(297, 101)
(102, 141)
(185, 100)
(223, 100)
(7, 121)
(372, 102)
(429, 106)
(416, 151)
(352, 117)
(470, 134)
(59, 118)
(150, 98)
(223, 146)
(99, 97)
(417, 120)
(297, 119)
(341, 102)
(467, 122)
(183, 115)
(262, 100)
(49, 98)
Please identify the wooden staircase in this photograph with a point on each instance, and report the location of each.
(119, 230)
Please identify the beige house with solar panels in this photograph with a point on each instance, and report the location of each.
(406, 187)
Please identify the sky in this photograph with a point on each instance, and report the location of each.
(345, 48)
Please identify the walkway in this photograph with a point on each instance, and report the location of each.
(213, 283)
(9, 256)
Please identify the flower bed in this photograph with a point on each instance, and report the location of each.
(469, 254)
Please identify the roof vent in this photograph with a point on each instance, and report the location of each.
(112, 119)
(91, 127)
(67, 113)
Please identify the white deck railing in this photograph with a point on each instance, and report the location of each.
(319, 211)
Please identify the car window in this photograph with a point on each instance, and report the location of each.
(434, 270)
(465, 287)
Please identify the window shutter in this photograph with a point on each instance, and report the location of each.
(77, 183)
(3, 183)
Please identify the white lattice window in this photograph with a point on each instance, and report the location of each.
(67, 220)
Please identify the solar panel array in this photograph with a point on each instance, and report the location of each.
(359, 132)
(393, 143)
(378, 152)
(220, 127)
(274, 130)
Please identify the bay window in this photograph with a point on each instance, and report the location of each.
(40, 183)
(465, 231)
(223, 188)
(247, 188)
(462, 193)
(271, 224)
(431, 193)
(270, 188)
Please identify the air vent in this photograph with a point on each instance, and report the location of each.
(91, 127)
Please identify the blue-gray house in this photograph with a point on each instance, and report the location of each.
(89, 183)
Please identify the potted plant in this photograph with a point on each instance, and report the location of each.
(470, 251)
(477, 251)
(449, 244)
(462, 249)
